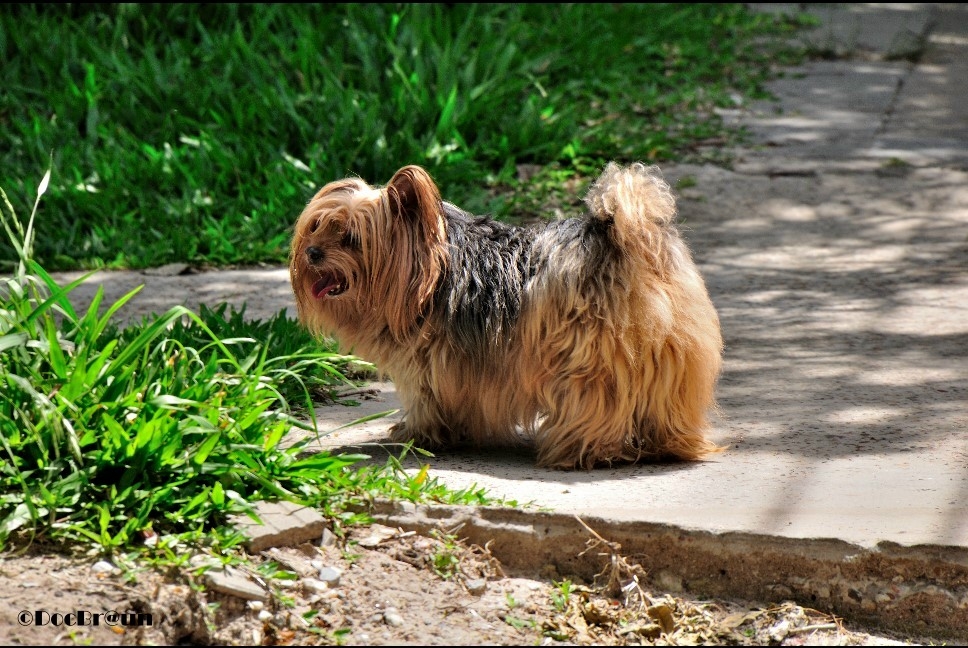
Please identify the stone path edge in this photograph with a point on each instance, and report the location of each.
(914, 590)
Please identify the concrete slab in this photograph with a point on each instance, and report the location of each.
(282, 524)
(864, 30)
(929, 121)
(825, 104)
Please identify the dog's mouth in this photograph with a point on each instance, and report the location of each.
(331, 284)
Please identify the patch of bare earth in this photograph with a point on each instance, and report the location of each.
(385, 586)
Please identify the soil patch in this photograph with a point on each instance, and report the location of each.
(384, 586)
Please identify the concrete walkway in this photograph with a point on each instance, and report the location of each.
(836, 250)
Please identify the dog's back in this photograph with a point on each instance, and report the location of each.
(627, 345)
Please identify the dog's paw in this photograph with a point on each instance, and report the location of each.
(400, 432)
(425, 438)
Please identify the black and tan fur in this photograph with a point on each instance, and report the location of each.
(594, 337)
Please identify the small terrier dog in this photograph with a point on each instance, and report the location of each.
(594, 337)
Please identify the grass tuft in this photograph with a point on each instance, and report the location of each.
(160, 431)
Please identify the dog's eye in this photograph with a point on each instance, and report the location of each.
(314, 226)
(350, 240)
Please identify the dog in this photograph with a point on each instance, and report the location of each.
(594, 337)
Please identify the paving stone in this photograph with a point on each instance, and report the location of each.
(234, 584)
(283, 524)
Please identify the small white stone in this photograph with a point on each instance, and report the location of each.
(102, 567)
(330, 576)
(476, 586)
(313, 585)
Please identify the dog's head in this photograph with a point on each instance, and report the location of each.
(365, 260)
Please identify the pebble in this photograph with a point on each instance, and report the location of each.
(102, 567)
(392, 617)
(476, 586)
(330, 575)
(313, 585)
(328, 595)
(329, 539)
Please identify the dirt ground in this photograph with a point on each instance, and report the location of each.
(395, 588)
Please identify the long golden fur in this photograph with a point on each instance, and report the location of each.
(595, 337)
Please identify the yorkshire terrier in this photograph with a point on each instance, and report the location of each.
(593, 336)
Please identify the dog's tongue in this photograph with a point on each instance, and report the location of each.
(326, 285)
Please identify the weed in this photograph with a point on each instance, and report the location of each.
(341, 635)
(351, 557)
(517, 623)
(285, 600)
(271, 570)
(561, 594)
(446, 556)
(78, 640)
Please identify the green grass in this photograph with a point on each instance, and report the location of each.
(163, 429)
(196, 133)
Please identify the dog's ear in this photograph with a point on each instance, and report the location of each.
(419, 241)
(414, 195)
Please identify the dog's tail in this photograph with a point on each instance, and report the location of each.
(637, 203)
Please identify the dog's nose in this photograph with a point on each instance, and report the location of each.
(314, 254)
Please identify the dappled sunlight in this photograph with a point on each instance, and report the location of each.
(787, 212)
(844, 306)
(910, 376)
(865, 415)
